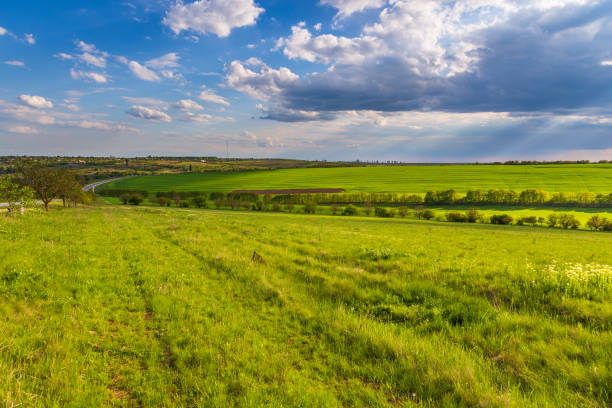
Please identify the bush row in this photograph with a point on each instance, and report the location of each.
(529, 197)
(560, 220)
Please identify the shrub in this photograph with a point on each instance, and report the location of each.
(456, 216)
(568, 221)
(349, 210)
(428, 214)
(367, 208)
(199, 202)
(501, 219)
(402, 212)
(310, 207)
(183, 204)
(276, 207)
(289, 207)
(335, 208)
(163, 201)
(383, 212)
(125, 197)
(135, 199)
(257, 206)
(552, 220)
(473, 215)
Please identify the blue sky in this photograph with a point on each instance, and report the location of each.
(411, 80)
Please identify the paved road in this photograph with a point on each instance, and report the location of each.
(88, 187)
(93, 186)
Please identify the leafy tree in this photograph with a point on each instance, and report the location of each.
(136, 199)
(349, 210)
(402, 212)
(472, 215)
(383, 212)
(456, 216)
(44, 181)
(418, 211)
(199, 202)
(14, 194)
(568, 221)
(367, 208)
(289, 207)
(276, 207)
(125, 198)
(164, 201)
(310, 207)
(67, 186)
(501, 219)
(552, 220)
(597, 223)
(428, 214)
(335, 208)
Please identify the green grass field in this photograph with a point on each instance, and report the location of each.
(125, 306)
(596, 178)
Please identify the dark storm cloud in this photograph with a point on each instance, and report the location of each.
(533, 62)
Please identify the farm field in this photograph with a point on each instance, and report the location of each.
(129, 306)
(596, 178)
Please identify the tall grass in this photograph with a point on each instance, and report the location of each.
(123, 306)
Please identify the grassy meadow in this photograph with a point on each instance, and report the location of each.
(128, 306)
(596, 178)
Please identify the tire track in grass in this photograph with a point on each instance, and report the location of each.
(310, 320)
(523, 380)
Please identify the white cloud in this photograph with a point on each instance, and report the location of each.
(26, 113)
(84, 47)
(201, 118)
(329, 48)
(64, 56)
(208, 95)
(91, 76)
(187, 105)
(29, 38)
(24, 130)
(3, 31)
(318, 26)
(71, 106)
(347, 7)
(260, 85)
(143, 72)
(169, 60)
(35, 101)
(146, 102)
(158, 103)
(97, 61)
(143, 112)
(15, 63)
(212, 16)
(607, 63)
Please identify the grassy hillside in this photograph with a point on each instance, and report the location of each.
(122, 306)
(399, 179)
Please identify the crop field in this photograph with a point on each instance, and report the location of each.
(596, 178)
(134, 306)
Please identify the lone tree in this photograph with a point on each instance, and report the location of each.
(45, 182)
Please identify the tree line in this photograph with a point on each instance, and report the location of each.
(529, 197)
(34, 181)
